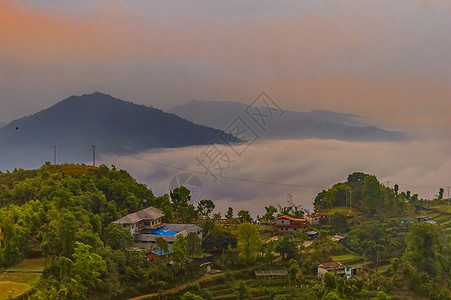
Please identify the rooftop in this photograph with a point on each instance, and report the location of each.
(290, 218)
(332, 265)
(149, 213)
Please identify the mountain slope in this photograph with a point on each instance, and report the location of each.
(321, 124)
(97, 119)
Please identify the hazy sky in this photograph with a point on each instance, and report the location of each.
(389, 61)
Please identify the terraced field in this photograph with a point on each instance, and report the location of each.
(20, 278)
(257, 289)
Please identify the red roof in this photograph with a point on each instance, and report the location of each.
(291, 218)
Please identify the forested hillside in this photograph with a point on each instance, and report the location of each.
(65, 211)
(58, 242)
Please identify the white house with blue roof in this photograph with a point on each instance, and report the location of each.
(146, 226)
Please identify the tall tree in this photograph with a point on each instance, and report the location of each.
(88, 266)
(180, 196)
(248, 241)
(178, 253)
(244, 216)
(193, 245)
(269, 214)
(372, 193)
(205, 208)
(229, 214)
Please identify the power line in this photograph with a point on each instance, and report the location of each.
(419, 186)
(220, 176)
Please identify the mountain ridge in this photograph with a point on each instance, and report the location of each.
(102, 120)
(322, 124)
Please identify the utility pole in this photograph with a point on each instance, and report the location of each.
(93, 155)
(346, 191)
(350, 199)
(54, 155)
(388, 183)
(448, 193)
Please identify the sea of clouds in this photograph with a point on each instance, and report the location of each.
(302, 167)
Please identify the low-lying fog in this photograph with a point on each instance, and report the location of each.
(303, 166)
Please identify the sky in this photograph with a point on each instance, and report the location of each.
(388, 61)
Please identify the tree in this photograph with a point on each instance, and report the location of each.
(440, 194)
(229, 214)
(166, 207)
(117, 237)
(373, 249)
(396, 189)
(187, 213)
(339, 223)
(244, 216)
(59, 238)
(424, 249)
(330, 282)
(293, 271)
(372, 193)
(268, 250)
(248, 241)
(287, 248)
(356, 178)
(161, 245)
(88, 266)
(205, 208)
(269, 214)
(179, 253)
(193, 245)
(180, 196)
(219, 240)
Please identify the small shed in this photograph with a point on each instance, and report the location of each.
(337, 238)
(153, 255)
(312, 234)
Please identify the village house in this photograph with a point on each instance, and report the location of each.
(318, 218)
(288, 225)
(338, 268)
(146, 226)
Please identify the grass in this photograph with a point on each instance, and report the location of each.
(340, 209)
(10, 289)
(19, 277)
(31, 265)
(349, 258)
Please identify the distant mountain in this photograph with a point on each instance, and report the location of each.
(95, 119)
(320, 124)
